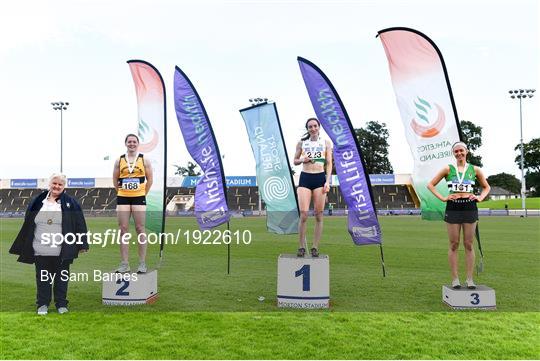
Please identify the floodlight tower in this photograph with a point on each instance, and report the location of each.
(522, 94)
(257, 101)
(61, 106)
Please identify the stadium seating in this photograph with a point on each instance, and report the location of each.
(103, 200)
(385, 197)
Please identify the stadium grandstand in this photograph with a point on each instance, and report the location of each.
(393, 194)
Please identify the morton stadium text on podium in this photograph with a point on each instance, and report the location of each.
(129, 289)
(303, 282)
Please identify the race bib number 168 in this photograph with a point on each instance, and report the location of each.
(131, 184)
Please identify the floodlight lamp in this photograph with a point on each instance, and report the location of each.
(64, 108)
(513, 97)
(521, 90)
(67, 103)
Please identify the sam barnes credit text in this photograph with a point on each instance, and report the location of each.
(96, 276)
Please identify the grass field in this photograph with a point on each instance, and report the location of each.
(530, 203)
(205, 313)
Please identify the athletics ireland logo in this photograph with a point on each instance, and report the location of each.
(431, 120)
(275, 188)
(149, 137)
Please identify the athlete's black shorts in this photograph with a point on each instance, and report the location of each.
(312, 180)
(461, 210)
(131, 201)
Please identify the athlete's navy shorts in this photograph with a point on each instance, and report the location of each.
(461, 210)
(312, 180)
(131, 201)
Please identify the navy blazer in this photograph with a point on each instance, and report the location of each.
(72, 222)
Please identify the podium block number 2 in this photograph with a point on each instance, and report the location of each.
(122, 290)
(305, 273)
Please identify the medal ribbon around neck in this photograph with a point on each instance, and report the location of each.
(460, 179)
(131, 167)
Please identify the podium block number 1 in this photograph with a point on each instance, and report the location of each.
(122, 290)
(305, 273)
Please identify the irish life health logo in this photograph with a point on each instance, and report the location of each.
(429, 119)
(149, 137)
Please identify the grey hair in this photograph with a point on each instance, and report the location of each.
(61, 176)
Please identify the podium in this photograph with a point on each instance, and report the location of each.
(129, 289)
(482, 298)
(303, 282)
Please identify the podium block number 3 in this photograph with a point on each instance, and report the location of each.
(122, 290)
(305, 273)
(475, 298)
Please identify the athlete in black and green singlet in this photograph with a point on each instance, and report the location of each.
(461, 211)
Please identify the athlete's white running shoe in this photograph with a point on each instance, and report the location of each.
(470, 284)
(455, 284)
(123, 268)
(142, 268)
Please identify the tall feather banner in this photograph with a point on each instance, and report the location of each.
(211, 207)
(427, 108)
(152, 129)
(354, 182)
(274, 178)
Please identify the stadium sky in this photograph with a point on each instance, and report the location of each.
(76, 51)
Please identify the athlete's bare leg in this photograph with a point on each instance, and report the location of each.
(319, 198)
(468, 240)
(123, 213)
(453, 246)
(304, 199)
(139, 216)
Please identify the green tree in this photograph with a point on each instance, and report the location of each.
(531, 155)
(531, 164)
(505, 181)
(190, 170)
(373, 140)
(532, 180)
(472, 136)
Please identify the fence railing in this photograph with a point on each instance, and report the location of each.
(483, 212)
